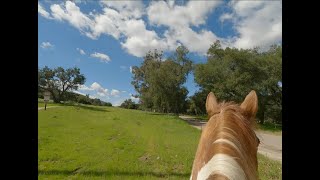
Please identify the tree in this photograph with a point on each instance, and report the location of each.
(197, 103)
(270, 87)
(159, 82)
(231, 73)
(58, 81)
(96, 102)
(129, 104)
(107, 104)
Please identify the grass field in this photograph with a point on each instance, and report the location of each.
(89, 142)
(41, 104)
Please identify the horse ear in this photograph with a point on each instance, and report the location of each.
(250, 104)
(211, 104)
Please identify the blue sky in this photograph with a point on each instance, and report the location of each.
(105, 38)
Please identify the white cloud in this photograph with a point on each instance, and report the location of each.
(119, 19)
(114, 16)
(140, 40)
(43, 12)
(134, 99)
(100, 91)
(118, 102)
(101, 94)
(106, 23)
(46, 45)
(129, 9)
(72, 14)
(130, 69)
(225, 16)
(101, 56)
(81, 51)
(96, 86)
(195, 42)
(85, 88)
(259, 23)
(95, 90)
(115, 92)
(79, 93)
(194, 13)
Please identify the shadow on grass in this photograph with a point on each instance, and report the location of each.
(110, 173)
(92, 108)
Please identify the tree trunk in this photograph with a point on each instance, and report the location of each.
(261, 109)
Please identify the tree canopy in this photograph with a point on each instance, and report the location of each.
(159, 81)
(58, 81)
(231, 73)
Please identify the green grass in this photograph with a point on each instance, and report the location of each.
(269, 169)
(41, 104)
(89, 142)
(113, 143)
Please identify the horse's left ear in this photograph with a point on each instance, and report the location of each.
(211, 104)
(250, 104)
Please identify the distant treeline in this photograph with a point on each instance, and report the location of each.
(79, 98)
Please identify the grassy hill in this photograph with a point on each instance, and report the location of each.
(94, 142)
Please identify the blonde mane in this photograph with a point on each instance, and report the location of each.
(228, 144)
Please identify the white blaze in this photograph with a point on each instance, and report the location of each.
(222, 164)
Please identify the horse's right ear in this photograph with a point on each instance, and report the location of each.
(250, 104)
(211, 104)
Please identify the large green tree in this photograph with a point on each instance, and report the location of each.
(231, 73)
(159, 81)
(58, 81)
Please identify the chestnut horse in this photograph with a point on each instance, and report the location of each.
(228, 144)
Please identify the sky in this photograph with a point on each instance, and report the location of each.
(106, 38)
